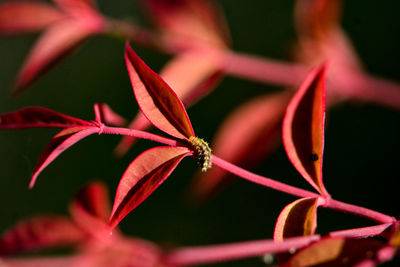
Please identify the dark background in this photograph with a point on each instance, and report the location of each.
(361, 163)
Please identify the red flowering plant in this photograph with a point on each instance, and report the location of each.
(195, 33)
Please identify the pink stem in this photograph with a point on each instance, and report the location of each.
(361, 232)
(264, 70)
(258, 179)
(218, 253)
(376, 216)
(331, 203)
(227, 252)
(140, 134)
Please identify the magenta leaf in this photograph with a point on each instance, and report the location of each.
(91, 209)
(303, 129)
(38, 117)
(249, 134)
(104, 114)
(21, 17)
(337, 252)
(56, 43)
(62, 141)
(192, 75)
(39, 233)
(148, 171)
(158, 102)
(297, 219)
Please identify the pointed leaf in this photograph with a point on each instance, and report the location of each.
(62, 141)
(303, 129)
(55, 44)
(94, 199)
(148, 171)
(297, 219)
(336, 252)
(247, 135)
(314, 18)
(91, 209)
(158, 102)
(192, 75)
(190, 19)
(104, 114)
(23, 17)
(38, 233)
(38, 117)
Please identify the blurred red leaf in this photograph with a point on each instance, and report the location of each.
(38, 233)
(158, 102)
(90, 209)
(249, 134)
(299, 218)
(337, 252)
(38, 117)
(142, 177)
(315, 18)
(76, 5)
(104, 114)
(62, 141)
(191, 75)
(56, 43)
(303, 128)
(190, 20)
(94, 199)
(21, 17)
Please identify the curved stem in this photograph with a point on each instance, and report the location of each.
(140, 134)
(349, 208)
(330, 203)
(258, 179)
(226, 252)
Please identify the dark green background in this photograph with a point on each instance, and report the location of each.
(361, 163)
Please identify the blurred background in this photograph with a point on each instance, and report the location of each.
(361, 162)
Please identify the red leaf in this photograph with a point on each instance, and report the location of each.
(314, 18)
(91, 209)
(62, 141)
(297, 219)
(123, 252)
(158, 102)
(38, 233)
(104, 114)
(148, 171)
(247, 135)
(27, 17)
(192, 75)
(76, 5)
(38, 117)
(190, 20)
(336, 252)
(55, 44)
(303, 129)
(94, 199)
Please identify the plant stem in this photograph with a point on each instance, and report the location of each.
(258, 179)
(265, 70)
(218, 253)
(140, 134)
(331, 203)
(376, 216)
